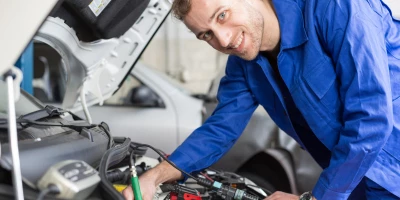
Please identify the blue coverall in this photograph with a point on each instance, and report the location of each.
(340, 62)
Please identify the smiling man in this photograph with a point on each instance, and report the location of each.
(326, 71)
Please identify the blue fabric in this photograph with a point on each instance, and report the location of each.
(340, 61)
(318, 151)
(374, 191)
(369, 190)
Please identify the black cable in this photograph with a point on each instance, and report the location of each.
(204, 182)
(162, 152)
(43, 193)
(140, 151)
(51, 189)
(165, 158)
(131, 160)
(102, 125)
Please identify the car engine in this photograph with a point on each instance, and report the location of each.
(64, 157)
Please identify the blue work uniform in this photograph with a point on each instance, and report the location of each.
(340, 62)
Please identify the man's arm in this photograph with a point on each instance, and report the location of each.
(164, 172)
(352, 33)
(216, 136)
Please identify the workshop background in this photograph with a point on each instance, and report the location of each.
(183, 57)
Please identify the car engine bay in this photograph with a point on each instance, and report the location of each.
(64, 158)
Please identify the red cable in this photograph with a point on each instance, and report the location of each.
(206, 176)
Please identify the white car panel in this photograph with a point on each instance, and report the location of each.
(100, 66)
(165, 127)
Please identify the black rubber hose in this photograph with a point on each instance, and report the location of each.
(112, 156)
(138, 150)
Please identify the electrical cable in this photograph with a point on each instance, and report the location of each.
(51, 189)
(206, 176)
(165, 158)
(131, 160)
(74, 124)
(103, 126)
(84, 105)
(222, 190)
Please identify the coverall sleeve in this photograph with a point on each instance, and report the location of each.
(217, 135)
(352, 33)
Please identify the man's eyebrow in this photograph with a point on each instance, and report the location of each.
(213, 15)
(209, 20)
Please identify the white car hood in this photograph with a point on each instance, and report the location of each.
(98, 67)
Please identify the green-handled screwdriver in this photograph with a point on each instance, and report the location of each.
(135, 184)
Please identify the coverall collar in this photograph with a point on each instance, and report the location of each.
(291, 23)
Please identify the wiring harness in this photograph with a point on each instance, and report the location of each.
(224, 191)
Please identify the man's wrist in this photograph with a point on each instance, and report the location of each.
(164, 172)
(307, 196)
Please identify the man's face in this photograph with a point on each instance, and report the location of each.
(230, 26)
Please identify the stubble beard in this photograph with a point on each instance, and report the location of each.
(256, 28)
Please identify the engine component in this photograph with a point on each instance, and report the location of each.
(179, 192)
(224, 191)
(229, 193)
(55, 139)
(185, 196)
(75, 179)
(112, 157)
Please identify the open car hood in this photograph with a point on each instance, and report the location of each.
(99, 41)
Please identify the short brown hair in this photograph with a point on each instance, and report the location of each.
(180, 8)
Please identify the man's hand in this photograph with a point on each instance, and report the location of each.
(147, 187)
(151, 179)
(282, 196)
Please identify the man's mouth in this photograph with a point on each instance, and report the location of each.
(237, 45)
(239, 41)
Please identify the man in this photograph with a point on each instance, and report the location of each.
(328, 74)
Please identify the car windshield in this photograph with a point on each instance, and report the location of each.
(173, 82)
(23, 106)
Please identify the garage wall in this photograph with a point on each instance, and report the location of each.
(177, 52)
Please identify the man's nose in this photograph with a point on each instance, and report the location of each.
(224, 37)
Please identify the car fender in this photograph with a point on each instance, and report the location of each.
(260, 133)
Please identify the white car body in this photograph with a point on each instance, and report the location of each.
(163, 127)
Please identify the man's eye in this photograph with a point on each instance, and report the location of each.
(222, 16)
(207, 35)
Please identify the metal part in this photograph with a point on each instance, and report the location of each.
(229, 193)
(13, 139)
(75, 179)
(103, 64)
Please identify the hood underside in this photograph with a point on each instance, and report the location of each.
(98, 41)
